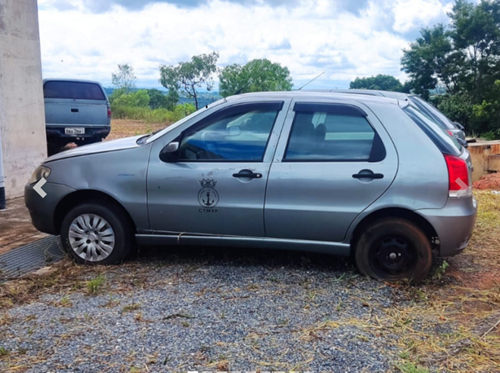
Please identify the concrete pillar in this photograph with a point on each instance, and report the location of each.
(22, 117)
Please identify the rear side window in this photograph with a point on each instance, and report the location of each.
(73, 90)
(431, 112)
(447, 144)
(325, 132)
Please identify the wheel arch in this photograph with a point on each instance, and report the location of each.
(396, 212)
(81, 196)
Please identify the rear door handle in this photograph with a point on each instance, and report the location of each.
(248, 175)
(74, 110)
(367, 174)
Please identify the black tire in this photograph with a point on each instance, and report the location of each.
(115, 217)
(393, 249)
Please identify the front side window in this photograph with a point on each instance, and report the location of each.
(73, 90)
(235, 134)
(330, 133)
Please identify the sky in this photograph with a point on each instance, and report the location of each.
(345, 39)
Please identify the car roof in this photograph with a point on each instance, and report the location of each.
(372, 92)
(70, 80)
(317, 94)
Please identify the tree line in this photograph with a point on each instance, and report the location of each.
(461, 60)
(188, 78)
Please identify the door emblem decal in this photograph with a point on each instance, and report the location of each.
(208, 196)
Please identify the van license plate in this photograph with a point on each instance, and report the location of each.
(74, 131)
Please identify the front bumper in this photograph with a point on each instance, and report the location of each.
(42, 210)
(453, 224)
(90, 131)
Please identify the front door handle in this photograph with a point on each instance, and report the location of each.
(248, 174)
(74, 110)
(367, 174)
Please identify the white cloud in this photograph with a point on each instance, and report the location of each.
(418, 13)
(314, 36)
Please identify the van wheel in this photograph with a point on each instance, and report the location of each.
(392, 250)
(95, 233)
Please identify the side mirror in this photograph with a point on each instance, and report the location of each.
(234, 131)
(172, 147)
(170, 152)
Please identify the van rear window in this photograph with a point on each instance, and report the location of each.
(73, 90)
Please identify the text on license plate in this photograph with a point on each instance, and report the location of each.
(74, 131)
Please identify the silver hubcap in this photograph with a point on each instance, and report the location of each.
(91, 237)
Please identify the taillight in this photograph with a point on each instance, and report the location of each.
(450, 133)
(458, 174)
(109, 112)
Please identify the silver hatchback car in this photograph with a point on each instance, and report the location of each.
(336, 173)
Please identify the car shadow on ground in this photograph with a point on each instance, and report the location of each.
(243, 257)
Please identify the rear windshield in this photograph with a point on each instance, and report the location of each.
(430, 111)
(73, 90)
(439, 136)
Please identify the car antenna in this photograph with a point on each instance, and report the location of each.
(312, 80)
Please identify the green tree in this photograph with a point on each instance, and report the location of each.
(124, 79)
(157, 99)
(255, 76)
(465, 58)
(189, 77)
(379, 82)
(431, 59)
(135, 99)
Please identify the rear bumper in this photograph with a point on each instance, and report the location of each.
(90, 131)
(453, 224)
(42, 210)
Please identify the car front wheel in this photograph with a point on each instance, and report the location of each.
(95, 233)
(393, 249)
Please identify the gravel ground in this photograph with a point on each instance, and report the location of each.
(208, 310)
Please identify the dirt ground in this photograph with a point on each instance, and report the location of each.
(125, 128)
(15, 226)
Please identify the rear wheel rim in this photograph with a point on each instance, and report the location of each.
(91, 237)
(393, 257)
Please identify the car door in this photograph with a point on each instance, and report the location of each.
(215, 182)
(333, 160)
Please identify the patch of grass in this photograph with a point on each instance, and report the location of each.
(65, 302)
(440, 271)
(95, 285)
(131, 307)
(4, 352)
(152, 116)
(411, 368)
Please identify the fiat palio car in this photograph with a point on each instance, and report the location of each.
(343, 174)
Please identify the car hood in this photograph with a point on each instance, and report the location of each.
(101, 147)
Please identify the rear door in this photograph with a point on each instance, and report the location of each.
(73, 104)
(333, 160)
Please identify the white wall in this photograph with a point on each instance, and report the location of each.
(22, 117)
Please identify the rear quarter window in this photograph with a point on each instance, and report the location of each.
(447, 144)
(73, 90)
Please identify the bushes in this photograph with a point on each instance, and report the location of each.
(151, 116)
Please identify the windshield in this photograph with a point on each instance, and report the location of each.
(444, 141)
(160, 133)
